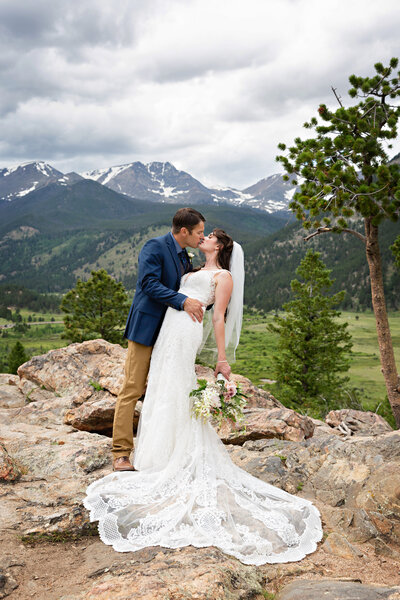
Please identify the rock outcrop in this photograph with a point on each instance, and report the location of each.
(53, 418)
(350, 421)
(261, 423)
(332, 590)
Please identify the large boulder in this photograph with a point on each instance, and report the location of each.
(78, 368)
(260, 423)
(87, 378)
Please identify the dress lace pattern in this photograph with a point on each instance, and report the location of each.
(187, 491)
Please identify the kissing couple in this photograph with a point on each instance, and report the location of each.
(183, 489)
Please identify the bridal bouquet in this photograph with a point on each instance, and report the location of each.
(220, 400)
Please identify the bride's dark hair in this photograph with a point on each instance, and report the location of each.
(225, 243)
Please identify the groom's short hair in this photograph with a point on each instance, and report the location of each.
(186, 217)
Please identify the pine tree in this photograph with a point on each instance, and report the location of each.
(347, 178)
(16, 357)
(94, 309)
(313, 349)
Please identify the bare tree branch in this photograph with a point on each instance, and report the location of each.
(329, 229)
(336, 95)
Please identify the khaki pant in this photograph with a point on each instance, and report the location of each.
(136, 369)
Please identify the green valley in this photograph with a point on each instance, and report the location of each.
(257, 346)
(254, 354)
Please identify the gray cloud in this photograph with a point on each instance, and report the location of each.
(210, 86)
(63, 23)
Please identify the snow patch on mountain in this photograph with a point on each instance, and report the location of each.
(105, 175)
(229, 194)
(42, 168)
(289, 194)
(25, 192)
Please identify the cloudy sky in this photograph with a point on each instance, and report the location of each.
(210, 85)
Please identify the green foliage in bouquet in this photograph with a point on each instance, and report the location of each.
(220, 400)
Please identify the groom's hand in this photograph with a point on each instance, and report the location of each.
(194, 308)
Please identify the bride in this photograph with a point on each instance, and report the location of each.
(186, 490)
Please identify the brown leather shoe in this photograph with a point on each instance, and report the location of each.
(121, 463)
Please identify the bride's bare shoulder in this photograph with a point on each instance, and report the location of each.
(224, 273)
(223, 276)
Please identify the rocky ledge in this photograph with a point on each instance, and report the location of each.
(55, 419)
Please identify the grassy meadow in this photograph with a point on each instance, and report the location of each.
(37, 339)
(257, 347)
(254, 354)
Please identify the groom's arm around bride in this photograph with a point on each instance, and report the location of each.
(162, 262)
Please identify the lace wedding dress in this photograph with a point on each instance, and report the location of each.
(187, 491)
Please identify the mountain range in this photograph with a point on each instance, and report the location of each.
(55, 228)
(157, 182)
(63, 230)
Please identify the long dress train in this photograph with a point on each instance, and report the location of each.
(187, 491)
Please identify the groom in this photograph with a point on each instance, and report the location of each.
(162, 262)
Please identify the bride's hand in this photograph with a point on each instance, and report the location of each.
(223, 367)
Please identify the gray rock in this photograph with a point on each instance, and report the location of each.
(336, 590)
(7, 583)
(349, 421)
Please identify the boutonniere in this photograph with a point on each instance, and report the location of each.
(190, 255)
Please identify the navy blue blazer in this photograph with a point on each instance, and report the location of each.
(159, 276)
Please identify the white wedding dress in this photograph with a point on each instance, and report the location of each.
(187, 491)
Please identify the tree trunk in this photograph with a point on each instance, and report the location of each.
(388, 363)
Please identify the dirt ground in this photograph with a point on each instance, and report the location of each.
(65, 570)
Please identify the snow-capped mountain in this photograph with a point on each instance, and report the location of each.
(154, 182)
(162, 182)
(271, 193)
(18, 181)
